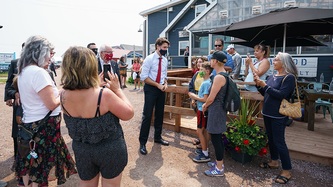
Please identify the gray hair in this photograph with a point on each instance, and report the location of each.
(288, 63)
(35, 51)
(103, 47)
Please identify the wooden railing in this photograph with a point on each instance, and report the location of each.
(177, 90)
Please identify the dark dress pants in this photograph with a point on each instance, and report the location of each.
(154, 97)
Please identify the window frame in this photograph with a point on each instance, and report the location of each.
(183, 49)
(197, 7)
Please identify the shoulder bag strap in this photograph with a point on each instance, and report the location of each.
(41, 123)
(295, 84)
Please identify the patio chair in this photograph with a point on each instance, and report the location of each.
(319, 102)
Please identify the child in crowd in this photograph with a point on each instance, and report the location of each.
(206, 70)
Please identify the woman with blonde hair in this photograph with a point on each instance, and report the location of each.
(259, 67)
(217, 115)
(92, 117)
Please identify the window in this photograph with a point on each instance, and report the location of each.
(199, 9)
(200, 46)
(182, 47)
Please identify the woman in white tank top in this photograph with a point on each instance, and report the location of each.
(260, 67)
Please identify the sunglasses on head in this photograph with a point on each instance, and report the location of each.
(218, 45)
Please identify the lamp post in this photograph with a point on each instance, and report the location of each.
(143, 38)
(140, 30)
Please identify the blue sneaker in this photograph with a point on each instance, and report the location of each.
(214, 172)
(201, 158)
(198, 151)
(211, 164)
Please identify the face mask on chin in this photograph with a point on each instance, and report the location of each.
(202, 73)
(108, 57)
(163, 52)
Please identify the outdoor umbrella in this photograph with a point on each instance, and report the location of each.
(282, 23)
(291, 41)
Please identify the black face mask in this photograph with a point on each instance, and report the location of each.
(163, 52)
(95, 50)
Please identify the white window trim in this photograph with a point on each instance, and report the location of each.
(187, 44)
(197, 6)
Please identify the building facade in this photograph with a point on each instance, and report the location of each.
(189, 23)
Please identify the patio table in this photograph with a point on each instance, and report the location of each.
(310, 97)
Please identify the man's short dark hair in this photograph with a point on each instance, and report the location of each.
(160, 41)
(219, 39)
(88, 46)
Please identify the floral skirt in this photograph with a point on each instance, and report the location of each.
(52, 154)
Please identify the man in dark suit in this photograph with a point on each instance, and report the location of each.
(9, 98)
(105, 57)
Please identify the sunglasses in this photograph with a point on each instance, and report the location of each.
(218, 45)
(94, 49)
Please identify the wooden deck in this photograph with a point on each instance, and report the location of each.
(315, 146)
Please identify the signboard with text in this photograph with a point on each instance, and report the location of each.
(307, 66)
(7, 57)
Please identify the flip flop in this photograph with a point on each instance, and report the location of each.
(265, 165)
(282, 179)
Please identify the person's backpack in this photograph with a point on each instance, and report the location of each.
(232, 100)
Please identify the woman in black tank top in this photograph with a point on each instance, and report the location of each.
(92, 114)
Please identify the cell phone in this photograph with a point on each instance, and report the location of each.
(106, 68)
(248, 54)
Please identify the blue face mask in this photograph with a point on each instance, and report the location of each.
(163, 52)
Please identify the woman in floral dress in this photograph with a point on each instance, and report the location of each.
(39, 95)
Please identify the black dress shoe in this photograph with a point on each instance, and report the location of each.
(143, 149)
(161, 141)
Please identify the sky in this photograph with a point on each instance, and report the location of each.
(68, 23)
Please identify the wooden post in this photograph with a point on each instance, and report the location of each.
(178, 104)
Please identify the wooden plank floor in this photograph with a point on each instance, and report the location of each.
(315, 146)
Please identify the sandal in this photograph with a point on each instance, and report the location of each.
(265, 165)
(195, 141)
(282, 179)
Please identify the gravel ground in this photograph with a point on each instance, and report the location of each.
(171, 165)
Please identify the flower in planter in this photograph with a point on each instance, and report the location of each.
(243, 135)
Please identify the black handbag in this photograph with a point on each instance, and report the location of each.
(26, 136)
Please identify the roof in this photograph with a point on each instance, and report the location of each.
(161, 7)
(195, 20)
(176, 19)
(117, 53)
(131, 47)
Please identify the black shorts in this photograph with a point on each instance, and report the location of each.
(108, 157)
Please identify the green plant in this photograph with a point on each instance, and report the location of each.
(130, 80)
(243, 135)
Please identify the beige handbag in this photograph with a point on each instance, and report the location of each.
(291, 109)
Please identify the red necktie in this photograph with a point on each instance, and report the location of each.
(158, 78)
